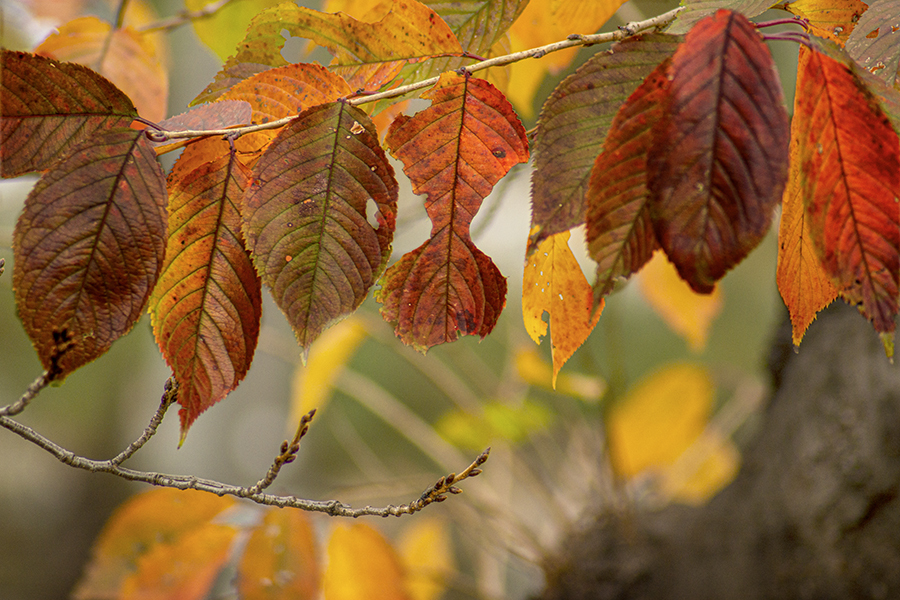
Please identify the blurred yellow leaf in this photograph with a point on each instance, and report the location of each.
(713, 464)
(313, 382)
(225, 29)
(131, 62)
(496, 421)
(425, 549)
(554, 283)
(652, 426)
(534, 370)
(544, 22)
(157, 517)
(362, 566)
(686, 312)
(280, 562)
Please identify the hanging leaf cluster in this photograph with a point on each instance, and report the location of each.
(676, 142)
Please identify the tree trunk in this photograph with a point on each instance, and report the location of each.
(814, 512)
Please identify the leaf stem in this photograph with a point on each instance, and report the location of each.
(574, 40)
(120, 19)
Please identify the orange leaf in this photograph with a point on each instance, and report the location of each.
(159, 517)
(131, 62)
(686, 312)
(362, 566)
(207, 305)
(719, 164)
(454, 151)
(280, 560)
(803, 283)
(849, 163)
(553, 282)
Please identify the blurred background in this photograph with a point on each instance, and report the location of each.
(677, 375)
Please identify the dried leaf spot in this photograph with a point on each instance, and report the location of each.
(357, 129)
(499, 153)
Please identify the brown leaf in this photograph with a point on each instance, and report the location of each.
(719, 164)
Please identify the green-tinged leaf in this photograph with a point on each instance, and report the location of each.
(497, 421)
(574, 123)
(477, 24)
(160, 517)
(454, 152)
(48, 107)
(207, 305)
(875, 41)
(695, 10)
(718, 165)
(849, 162)
(88, 248)
(225, 28)
(362, 565)
(620, 234)
(131, 60)
(305, 216)
(280, 561)
(368, 55)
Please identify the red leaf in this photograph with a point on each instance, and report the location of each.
(454, 152)
(89, 247)
(305, 216)
(207, 305)
(620, 234)
(719, 164)
(49, 107)
(849, 160)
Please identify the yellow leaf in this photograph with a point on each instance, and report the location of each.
(715, 463)
(313, 382)
(659, 419)
(686, 312)
(131, 62)
(362, 566)
(425, 549)
(280, 562)
(364, 10)
(534, 370)
(802, 281)
(553, 282)
(833, 19)
(544, 22)
(160, 516)
(224, 30)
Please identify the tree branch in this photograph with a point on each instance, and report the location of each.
(436, 493)
(30, 393)
(574, 40)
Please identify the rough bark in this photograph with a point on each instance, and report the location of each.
(814, 512)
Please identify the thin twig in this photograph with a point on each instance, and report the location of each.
(335, 508)
(184, 17)
(288, 454)
(498, 61)
(120, 20)
(2, 264)
(170, 395)
(36, 386)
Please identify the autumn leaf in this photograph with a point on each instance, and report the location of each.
(574, 123)
(48, 107)
(368, 55)
(713, 463)
(620, 235)
(362, 566)
(280, 561)
(305, 216)
(223, 30)
(496, 421)
(686, 312)
(695, 10)
(89, 247)
(875, 43)
(159, 518)
(849, 163)
(803, 283)
(553, 283)
(832, 19)
(426, 553)
(659, 419)
(454, 152)
(130, 60)
(719, 166)
(207, 305)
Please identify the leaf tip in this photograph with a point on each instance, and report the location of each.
(887, 340)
